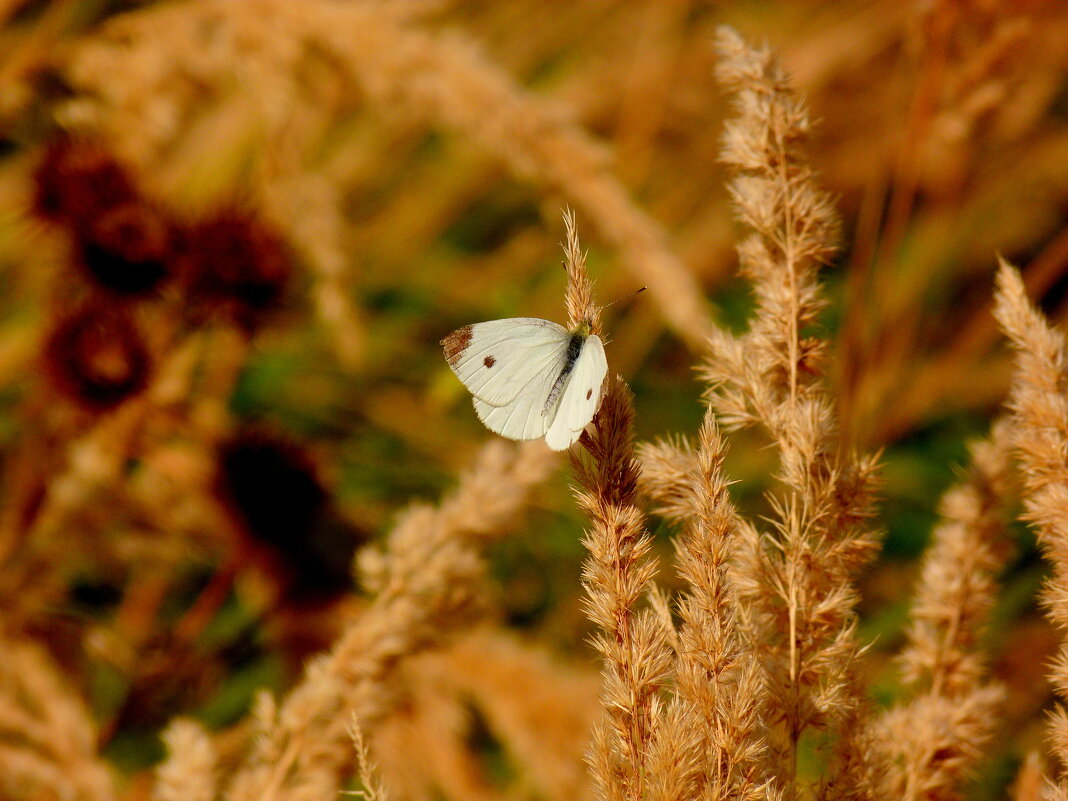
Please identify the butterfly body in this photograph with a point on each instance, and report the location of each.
(530, 377)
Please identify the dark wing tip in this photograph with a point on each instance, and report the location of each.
(456, 343)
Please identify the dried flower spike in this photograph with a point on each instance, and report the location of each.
(270, 486)
(127, 249)
(97, 357)
(235, 266)
(77, 181)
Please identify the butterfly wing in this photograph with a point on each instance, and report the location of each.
(580, 398)
(525, 416)
(498, 360)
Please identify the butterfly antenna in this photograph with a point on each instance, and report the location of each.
(625, 297)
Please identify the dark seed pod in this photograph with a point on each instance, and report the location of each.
(127, 249)
(235, 266)
(97, 357)
(77, 180)
(270, 486)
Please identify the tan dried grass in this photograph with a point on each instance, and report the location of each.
(713, 692)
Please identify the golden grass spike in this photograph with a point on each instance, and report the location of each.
(796, 580)
(427, 582)
(711, 740)
(933, 741)
(664, 480)
(48, 741)
(617, 572)
(579, 296)
(1039, 415)
(190, 772)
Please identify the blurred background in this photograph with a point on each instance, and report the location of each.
(233, 233)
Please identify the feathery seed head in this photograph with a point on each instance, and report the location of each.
(583, 314)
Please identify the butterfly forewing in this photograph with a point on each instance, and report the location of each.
(580, 398)
(500, 359)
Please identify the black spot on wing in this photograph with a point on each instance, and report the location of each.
(489, 361)
(589, 393)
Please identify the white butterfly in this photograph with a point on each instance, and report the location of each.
(530, 377)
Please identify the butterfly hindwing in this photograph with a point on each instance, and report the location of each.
(525, 416)
(497, 360)
(581, 396)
